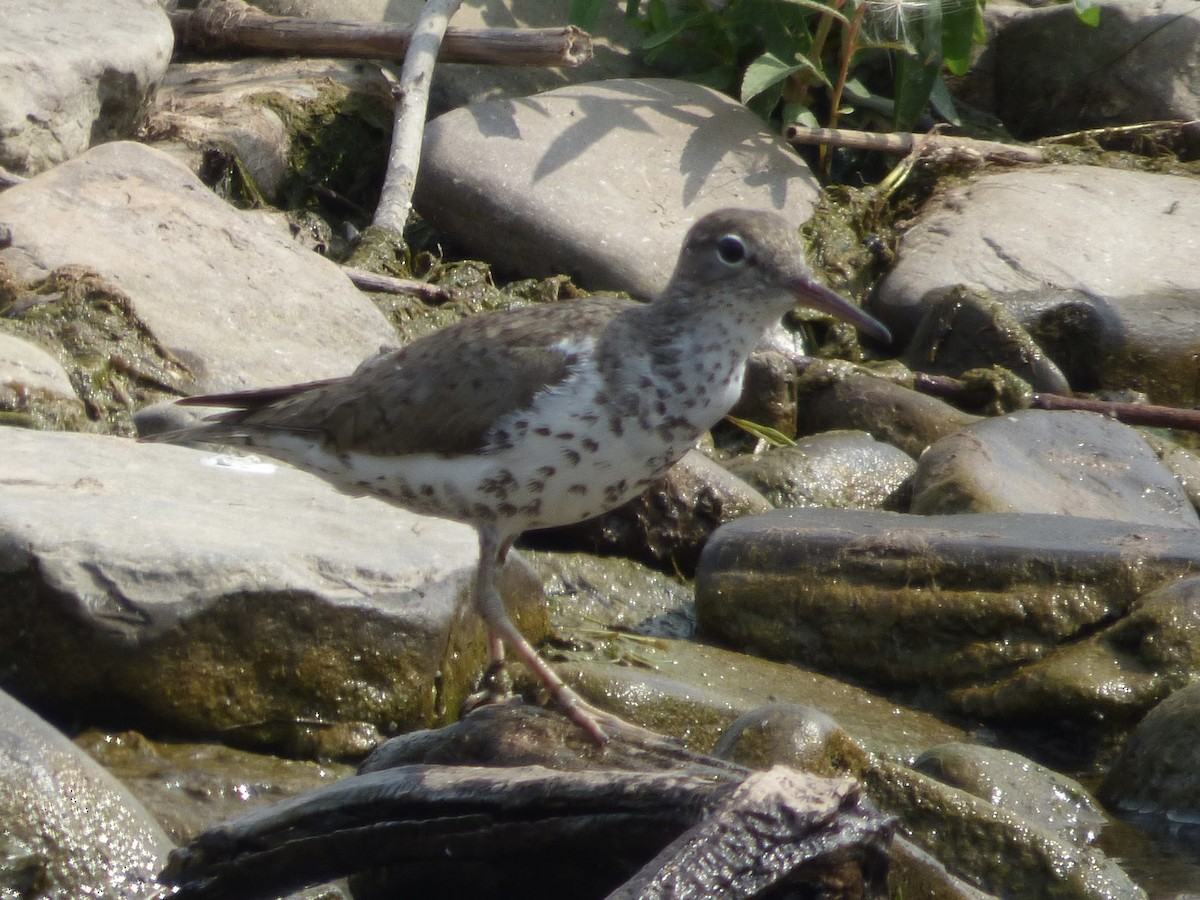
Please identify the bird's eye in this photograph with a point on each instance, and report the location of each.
(732, 250)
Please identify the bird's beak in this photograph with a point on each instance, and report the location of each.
(815, 295)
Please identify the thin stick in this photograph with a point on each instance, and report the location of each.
(902, 144)
(389, 284)
(1130, 413)
(232, 27)
(395, 200)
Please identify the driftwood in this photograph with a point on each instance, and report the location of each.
(408, 129)
(512, 801)
(902, 144)
(232, 27)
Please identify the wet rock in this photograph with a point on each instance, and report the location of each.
(73, 76)
(667, 525)
(1105, 282)
(189, 787)
(836, 397)
(207, 595)
(964, 329)
(233, 302)
(70, 828)
(1181, 462)
(934, 601)
(505, 177)
(591, 596)
(1042, 796)
(1068, 463)
(1155, 779)
(841, 469)
(1103, 683)
(274, 117)
(1055, 74)
(696, 691)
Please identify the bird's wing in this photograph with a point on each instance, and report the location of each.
(440, 394)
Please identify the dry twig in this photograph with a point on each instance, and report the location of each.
(904, 144)
(389, 284)
(233, 27)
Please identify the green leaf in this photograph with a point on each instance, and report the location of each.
(666, 30)
(767, 71)
(1088, 12)
(958, 35)
(917, 70)
(585, 13)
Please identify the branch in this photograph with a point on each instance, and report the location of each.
(388, 284)
(1129, 413)
(395, 200)
(904, 144)
(231, 27)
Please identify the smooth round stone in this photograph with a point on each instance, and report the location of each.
(841, 469)
(602, 180)
(1069, 463)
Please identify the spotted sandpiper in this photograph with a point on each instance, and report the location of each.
(542, 416)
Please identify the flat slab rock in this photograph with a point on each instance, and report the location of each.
(1066, 463)
(601, 181)
(1100, 265)
(75, 73)
(236, 301)
(899, 599)
(208, 593)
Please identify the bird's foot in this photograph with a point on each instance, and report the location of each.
(602, 725)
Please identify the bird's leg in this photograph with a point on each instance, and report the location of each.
(492, 552)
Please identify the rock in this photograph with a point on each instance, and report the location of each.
(841, 469)
(769, 392)
(191, 786)
(70, 828)
(75, 74)
(1040, 795)
(231, 300)
(834, 397)
(282, 120)
(645, 158)
(1054, 74)
(696, 691)
(588, 593)
(964, 329)
(1106, 281)
(931, 601)
(32, 382)
(1181, 462)
(1068, 463)
(1157, 776)
(214, 595)
(665, 526)
(1103, 683)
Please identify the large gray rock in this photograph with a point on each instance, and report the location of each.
(70, 828)
(235, 301)
(213, 595)
(75, 73)
(1035, 461)
(1100, 265)
(1054, 74)
(934, 601)
(601, 181)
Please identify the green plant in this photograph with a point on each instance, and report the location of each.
(798, 60)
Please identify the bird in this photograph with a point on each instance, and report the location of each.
(542, 416)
